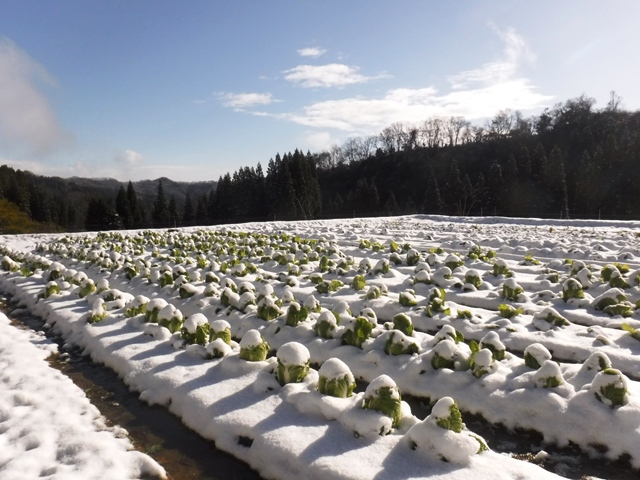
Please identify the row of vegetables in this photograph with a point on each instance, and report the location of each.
(226, 281)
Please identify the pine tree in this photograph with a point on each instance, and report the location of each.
(123, 209)
(136, 211)
(189, 215)
(160, 209)
(432, 201)
(173, 213)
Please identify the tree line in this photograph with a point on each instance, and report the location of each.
(572, 160)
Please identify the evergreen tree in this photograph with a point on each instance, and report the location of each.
(173, 213)
(189, 215)
(432, 201)
(100, 216)
(160, 208)
(135, 210)
(123, 209)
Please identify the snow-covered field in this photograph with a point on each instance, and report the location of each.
(254, 334)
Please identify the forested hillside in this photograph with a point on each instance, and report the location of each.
(572, 160)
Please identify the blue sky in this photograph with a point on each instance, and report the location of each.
(190, 90)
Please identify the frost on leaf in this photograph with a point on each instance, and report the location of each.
(400, 344)
(326, 324)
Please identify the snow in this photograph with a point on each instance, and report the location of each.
(49, 429)
(293, 353)
(298, 431)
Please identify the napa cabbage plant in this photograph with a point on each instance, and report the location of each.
(548, 318)
(268, 309)
(98, 311)
(511, 289)
(437, 303)
(326, 324)
(508, 311)
(358, 283)
(413, 257)
(572, 288)
(444, 355)
(253, 347)
(492, 341)
(548, 375)
(408, 298)
(296, 314)
(171, 318)
(195, 329)
(87, 287)
(358, 332)
(293, 363)
(500, 267)
(220, 329)
(610, 386)
(383, 395)
(400, 344)
(312, 304)
(336, 379)
(472, 277)
(535, 355)
(137, 306)
(326, 287)
(400, 322)
(447, 332)
(51, 288)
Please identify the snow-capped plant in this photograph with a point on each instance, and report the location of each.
(408, 298)
(171, 318)
(610, 387)
(445, 355)
(492, 341)
(293, 363)
(548, 318)
(220, 329)
(87, 287)
(437, 303)
(326, 287)
(8, 265)
(373, 292)
(312, 304)
(529, 260)
(98, 311)
(296, 314)
(253, 347)
(383, 395)
(511, 290)
(400, 322)
(548, 375)
(481, 361)
(381, 267)
(153, 308)
(572, 288)
(102, 285)
(472, 277)
(500, 267)
(413, 257)
(51, 288)
(137, 306)
(268, 309)
(400, 344)
(358, 332)
(613, 302)
(326, 324)
(442, 434)
(453, 261)
(535, 355)
(447, 332)
(187, 290)
(195, 329)
(596, 362)
(336, 379)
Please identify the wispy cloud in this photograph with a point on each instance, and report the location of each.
(311, 52)
(240, 101)
(503, 69)
(129, 158)
(28, 123)
(326, 76)
(475, 94)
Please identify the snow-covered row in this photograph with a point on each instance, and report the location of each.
(490, 289)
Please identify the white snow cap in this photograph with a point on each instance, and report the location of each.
(334, 369)
(192, 322)
(251, 339)
(293, 353)
(373, 389)
(219, 325)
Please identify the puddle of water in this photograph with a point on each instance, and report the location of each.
(153, 430)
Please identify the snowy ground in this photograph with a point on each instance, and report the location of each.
(549, 334)
(48, 427)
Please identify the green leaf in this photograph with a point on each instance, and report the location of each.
(453, 422)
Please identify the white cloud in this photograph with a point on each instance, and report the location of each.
(501, 70)
(475, 94)
(311, 52)
(319, 141)
(240, 101)
(27, 120)
(129, 158)
(325, 76)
